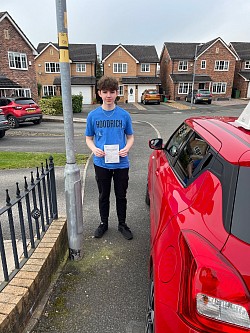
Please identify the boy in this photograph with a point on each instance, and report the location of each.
(109, 134)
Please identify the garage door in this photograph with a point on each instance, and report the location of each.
(142, 88)
(84, 91)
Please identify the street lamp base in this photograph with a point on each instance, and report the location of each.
(75, 255)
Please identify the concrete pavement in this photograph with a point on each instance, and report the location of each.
(106, 291)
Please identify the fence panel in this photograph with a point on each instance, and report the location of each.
(25, 219)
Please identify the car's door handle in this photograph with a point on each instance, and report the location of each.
(157, 172)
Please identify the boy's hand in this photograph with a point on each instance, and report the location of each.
(123, 152)
(98, 152)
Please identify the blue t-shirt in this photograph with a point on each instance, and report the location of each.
(109, 128)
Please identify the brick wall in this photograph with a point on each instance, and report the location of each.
(16, 43)
(51, 54)
(216, 52)
(120, 56)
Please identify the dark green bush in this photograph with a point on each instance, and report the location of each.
(77, 103)
(53, 105)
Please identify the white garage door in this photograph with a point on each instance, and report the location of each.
(142, 88)
(84, 91)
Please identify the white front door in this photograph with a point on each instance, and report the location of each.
(131, 94)
(248, 90)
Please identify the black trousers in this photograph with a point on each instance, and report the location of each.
(120, 178)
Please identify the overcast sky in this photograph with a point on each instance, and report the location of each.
(139, 22)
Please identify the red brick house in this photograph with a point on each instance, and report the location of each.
(17, 60)
(134, 66)
(241, 83)
(210, 65)
(83, 59)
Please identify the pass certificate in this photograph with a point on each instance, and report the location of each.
(111, 153)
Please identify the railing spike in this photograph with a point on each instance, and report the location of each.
(47, 167)
(37, 173)
(31, 178)
(7, 198)
(17, 191)
(25, 183)
(42, 169)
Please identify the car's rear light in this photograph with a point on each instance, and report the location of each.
(1, 111)
(198, 95)
(214, 295)
(218, 309)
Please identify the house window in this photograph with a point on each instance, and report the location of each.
(52, 67)
(81, 67)
(120, 68)
(49, 90)
(183, 66)
(219, 87)
(120, 91)
(221, 65)
(203, 64)
(17, 60)
(51, 52)
(22, 92)
(184, 87)
(247, 64)
(145, 67)
(6, 34)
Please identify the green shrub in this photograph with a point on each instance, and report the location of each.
(77, 103)
(53, 105)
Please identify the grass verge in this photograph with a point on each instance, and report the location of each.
(19, 160)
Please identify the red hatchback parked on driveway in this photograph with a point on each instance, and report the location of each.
(20, 109)
(199, 194)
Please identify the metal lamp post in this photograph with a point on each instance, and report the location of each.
(73, 190)
(195, 56)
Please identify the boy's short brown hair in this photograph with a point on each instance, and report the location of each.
(107, 83)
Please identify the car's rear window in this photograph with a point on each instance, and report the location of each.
(202, 91)
(153, 92)
(241, 217)
(24, 101)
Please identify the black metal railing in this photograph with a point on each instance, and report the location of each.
(25, 219)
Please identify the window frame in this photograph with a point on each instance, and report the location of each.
(48, 87)
(222, 86)
(123, 67)
(182, 86)
(221, 65)
(48, 67)
(203, 62)
(121, 90)
(81, 67)
(183, 66)
(145, 67)
(13, 60)
(247, 64)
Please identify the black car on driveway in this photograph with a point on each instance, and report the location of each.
(200, 95)
(4, 125)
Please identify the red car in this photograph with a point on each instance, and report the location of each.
(20, 109)
(199, 191)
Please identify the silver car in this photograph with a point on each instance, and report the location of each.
(200, 95)
(4, 124)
